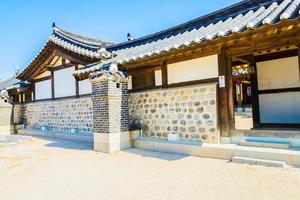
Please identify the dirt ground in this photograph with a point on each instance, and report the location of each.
(56, 169)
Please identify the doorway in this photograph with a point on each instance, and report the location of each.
(266, 90)
(242, 96)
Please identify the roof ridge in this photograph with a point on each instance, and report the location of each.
(80, 38)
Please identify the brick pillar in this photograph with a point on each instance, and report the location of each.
(110, 111)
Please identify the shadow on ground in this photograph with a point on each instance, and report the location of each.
(156, 154)
(67, 144)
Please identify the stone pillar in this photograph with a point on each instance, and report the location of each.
(110, 111)
(5, 116)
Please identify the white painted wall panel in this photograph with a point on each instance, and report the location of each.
(280, 73)
(129, 82)
(280, 108)
(158, 77)
(85, 87)
(196, 69)
(64, 82)
(43, 90)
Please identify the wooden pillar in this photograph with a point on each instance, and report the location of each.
(164, 72)
(225, 97)
(255, 97)
(299, 57)
(76, 84)
(33, 92)
(52, 85)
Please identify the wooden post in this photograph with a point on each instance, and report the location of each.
(164, 72)
(33, 92)
(52, 85)
(225, 98)
(255, 97)
(76, 84)
(299, 57)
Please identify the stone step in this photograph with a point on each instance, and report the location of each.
(279, 133)
(256, 161)
(266, 144)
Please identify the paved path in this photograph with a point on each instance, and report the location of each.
(56, 169)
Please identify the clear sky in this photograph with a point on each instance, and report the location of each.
(26, 24)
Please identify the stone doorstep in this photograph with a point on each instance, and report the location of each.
(113, 142)
(278, 145)
(256, 161)
(111, 137)
(112, 147)
(221, 151)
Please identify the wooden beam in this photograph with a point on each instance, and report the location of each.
(33, 92)
(52, 86)
(41, 79)
(74, 58)
(202, 81)
(76, 84)
(225, 101)
(63, 66)
(164, 73)
(298, 52)
(281, 90)
(255, 96)
(276, 55)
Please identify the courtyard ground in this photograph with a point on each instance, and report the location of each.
(56, 169)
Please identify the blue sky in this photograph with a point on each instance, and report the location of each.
(26, 24)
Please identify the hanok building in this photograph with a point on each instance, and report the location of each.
(216, 79)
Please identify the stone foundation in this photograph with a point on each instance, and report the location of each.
(68, 115)
(190, 111)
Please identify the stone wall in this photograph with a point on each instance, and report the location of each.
(68, 115)
(190, 111)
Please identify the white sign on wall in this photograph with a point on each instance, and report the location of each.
(222, 81)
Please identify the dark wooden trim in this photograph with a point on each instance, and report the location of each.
(203, 81)
(279, 125)
(280, 90)
(52, 85)
(85, 95)
(218, 106)
(255, 97)
(33, 92)
(76, 84)
(72, 57)
(277, 55)
(144, 89)
(41, 79)
(298, 52)
(60, 67)
(63, 61)
(225, 101)
(164, 74)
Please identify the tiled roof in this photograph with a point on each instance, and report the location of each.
(8, 83)
(249, 14)
(12, 83)
(81, 45)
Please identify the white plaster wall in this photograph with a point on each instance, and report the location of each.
(64, 82)
(43, 90)
(158, 77)
(280, 108)
(129, 82)
(280, 73)
(85, 87)
(196, 69)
